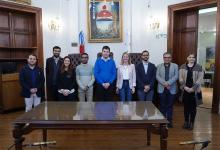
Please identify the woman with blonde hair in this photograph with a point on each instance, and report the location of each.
(190, 79)
(126, 78)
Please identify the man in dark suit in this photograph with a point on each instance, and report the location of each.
(145, 77)
(52, 68)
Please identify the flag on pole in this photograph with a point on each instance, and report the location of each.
(81, 42)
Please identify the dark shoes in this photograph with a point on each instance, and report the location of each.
(191, 125)
(188, 125)
(170, 125)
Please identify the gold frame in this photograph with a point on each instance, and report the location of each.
(22, 1)
(118, 39)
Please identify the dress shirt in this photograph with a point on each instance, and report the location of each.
(125, 72)
(56, 59)
(145, 66)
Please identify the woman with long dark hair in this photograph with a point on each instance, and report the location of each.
(66, 81)
(190, 78)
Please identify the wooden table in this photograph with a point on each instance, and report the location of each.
(92, 115)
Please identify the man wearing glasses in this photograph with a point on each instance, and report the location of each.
(145, 77)
(167, 76)
(85, 79)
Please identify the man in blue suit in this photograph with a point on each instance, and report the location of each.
(145, 76)
(167, 75)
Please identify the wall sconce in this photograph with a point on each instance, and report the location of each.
(154, 24)
(54, 25)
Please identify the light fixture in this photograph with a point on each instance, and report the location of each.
(154, 24)
(54, 25)
(54, 22)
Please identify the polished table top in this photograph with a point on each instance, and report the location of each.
(73, 112)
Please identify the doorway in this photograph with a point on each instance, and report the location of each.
(206, 51)
(184, 37)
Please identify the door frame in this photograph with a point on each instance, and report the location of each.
(198, 4)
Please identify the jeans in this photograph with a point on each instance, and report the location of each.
(125, 91)
(143, 96)
(166, 104)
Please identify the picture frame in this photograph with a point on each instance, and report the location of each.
(28, 2)
(210, 59)
(105, 21)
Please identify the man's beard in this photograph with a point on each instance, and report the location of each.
(56, 56)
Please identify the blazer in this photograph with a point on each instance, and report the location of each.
(132, 76)
(173, 77)
(198, 74)
(26, 81)
(145, 78)
(50, 70)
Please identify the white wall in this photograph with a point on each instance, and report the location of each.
(73, 15)
(67, 12)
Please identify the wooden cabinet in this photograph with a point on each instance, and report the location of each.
(10, 92)
(20, 35)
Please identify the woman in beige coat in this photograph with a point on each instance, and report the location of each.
(190, 79)
(126, 78)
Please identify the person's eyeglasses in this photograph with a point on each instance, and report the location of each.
(84, 57)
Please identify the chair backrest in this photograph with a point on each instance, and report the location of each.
(75, 59)
(100, 55)
(135, 58)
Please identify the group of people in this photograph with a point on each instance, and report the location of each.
(64, 81)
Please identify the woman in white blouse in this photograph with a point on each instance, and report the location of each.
(126, 78)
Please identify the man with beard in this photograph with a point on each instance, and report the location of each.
(52, 68)
(32, 83)
(145, 77)
(85, 79)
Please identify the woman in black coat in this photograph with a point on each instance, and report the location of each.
(66, 81)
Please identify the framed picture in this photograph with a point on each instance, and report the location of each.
(22, 1)
(210, 59)
(104, 21)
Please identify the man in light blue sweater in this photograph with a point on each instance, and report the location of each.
(105, 75)
(85, 79)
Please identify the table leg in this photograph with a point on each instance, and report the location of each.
(163, 136)
(148, 136)
(44, 135)
(17, 134)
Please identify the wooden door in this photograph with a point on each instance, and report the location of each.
(185, 35)
(174, 38)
